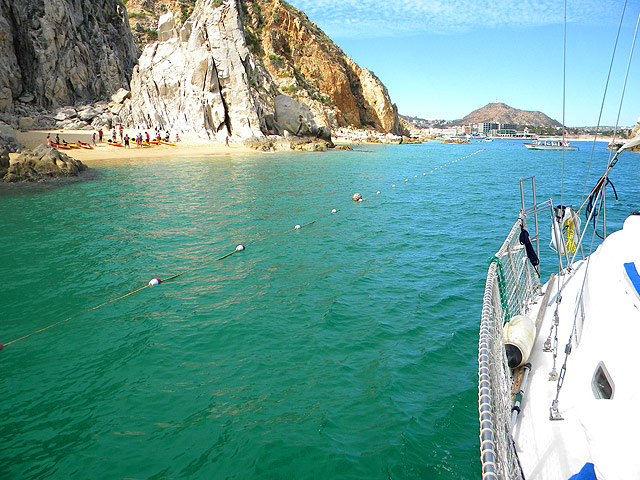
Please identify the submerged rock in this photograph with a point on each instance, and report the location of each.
(42, 163)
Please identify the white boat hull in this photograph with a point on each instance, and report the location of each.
(604, 325)
(531, 146)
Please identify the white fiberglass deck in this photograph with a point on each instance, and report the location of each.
(604, 432)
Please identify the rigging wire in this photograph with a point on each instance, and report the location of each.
(626, 77)
(564, 83)
(613, 157)
(595, 202)
(604, 96)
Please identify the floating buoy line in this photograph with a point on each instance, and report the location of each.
(357, 198)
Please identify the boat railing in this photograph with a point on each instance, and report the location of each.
(512, 285)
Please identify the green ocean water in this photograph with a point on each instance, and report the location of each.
(346, 349)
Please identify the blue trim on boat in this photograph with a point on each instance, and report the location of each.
(633, 275)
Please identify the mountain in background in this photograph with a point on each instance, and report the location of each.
(502, 113)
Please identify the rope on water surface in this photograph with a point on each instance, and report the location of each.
(157, 281)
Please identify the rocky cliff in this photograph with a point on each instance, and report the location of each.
(197, 77)
(61, 52)
(212, 67)
(220, 71)
(307, 65)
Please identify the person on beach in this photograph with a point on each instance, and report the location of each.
(100, 135)
(93, 137)
(146, 134)
(226, 141)
(177, 138)
(126, 141)
(57, 139)
(48, 139)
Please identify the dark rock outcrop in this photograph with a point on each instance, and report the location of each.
(8, 140)
(4, 162)
(61, 52)
(42, 163)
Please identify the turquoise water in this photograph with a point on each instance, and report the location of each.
(346, 349)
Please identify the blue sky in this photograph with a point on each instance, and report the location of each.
(446, 58)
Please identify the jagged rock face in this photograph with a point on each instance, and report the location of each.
(376, 108)
(198, 79)
(61, 52)
(8, 138)
(305, 63)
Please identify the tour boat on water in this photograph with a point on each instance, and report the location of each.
(549, 145)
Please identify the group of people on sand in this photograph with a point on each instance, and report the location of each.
(125, 139)
(139, 139)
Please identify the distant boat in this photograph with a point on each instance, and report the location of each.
(487, 139)
(549, 145)
(458, 140)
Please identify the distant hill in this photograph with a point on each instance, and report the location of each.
(416, 121)
(501, 113)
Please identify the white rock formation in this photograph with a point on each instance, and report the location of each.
(198, 79)
(57, 52)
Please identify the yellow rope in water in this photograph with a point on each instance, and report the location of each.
(238, 249)
(76, 315)
(107, 303)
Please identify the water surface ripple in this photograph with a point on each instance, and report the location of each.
(346, 349)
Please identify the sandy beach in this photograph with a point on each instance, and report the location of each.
(189, 146)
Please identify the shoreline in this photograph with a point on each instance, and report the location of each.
(189, 146)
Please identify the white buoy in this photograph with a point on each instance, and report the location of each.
(393, 186)
(239, 248)
(298, 227)
(154, 281)
(415, 176)
(406, 179)
(424, 174)
(378, 192)
(430, 171)
(334, 211)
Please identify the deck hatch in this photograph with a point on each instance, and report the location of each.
(602, 385)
